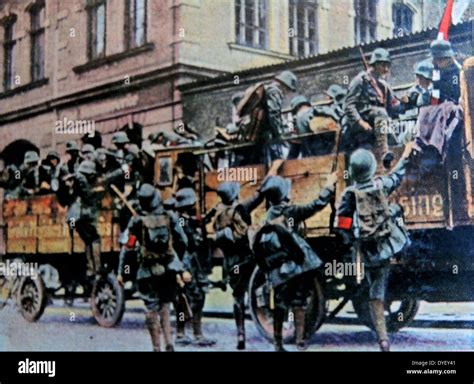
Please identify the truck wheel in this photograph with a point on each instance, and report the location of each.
(31, 297)
(107, 301)
(259, 303)
(398, 313)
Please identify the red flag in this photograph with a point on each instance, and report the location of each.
(446, 21)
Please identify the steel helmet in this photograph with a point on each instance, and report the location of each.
(362, 165)
(380, 55)
(289, 79)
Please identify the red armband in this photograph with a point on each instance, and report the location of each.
(132, 240)
(344, 222)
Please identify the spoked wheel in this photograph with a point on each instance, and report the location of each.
(398, 313)
(31, 297)
(259, 302)
(108, 301)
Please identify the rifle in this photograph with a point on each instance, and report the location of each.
(372, 81)
(123, 199)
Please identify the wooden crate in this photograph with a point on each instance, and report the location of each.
(22, 234)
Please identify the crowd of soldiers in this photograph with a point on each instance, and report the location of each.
(169, 240)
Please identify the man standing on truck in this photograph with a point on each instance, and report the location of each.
(30, 174)
(366, 219)
(158, 233)
(233, 219)
(263, 103)
(285, 256)
(369, 105)
(420, 94)
(72, 149)
(446, 74)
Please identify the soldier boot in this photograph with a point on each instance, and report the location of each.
(90, 272)
(239, 313)
(166, 326)
(181, 337)
(278, 319)
(199, 338)
(153, 325)
(378, 318)
(299, 328)
(381, 152)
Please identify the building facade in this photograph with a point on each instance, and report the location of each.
(118, 64)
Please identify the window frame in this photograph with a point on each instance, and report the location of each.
(257, 27)
(365, 22)
(403, 9)
(131, 24)
(92, 8)
(310, 44)
(9, 46)
(38, 41)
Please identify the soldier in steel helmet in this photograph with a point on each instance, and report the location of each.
(374, 227)
(284, 255)
(231, 225)
(420, 94)
(446, 73)
(50, 173)
(197, 262)
(30, 175)
(158, 234)
(72, 149)
(369, 105)
(83, 215)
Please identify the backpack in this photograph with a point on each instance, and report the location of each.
(230, 217)
(224, 218)
(275, 245)
(252, 105)
(373, 214)
(156, 237)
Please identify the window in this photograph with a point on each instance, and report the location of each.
(96, 13)
(402, 19)
(365, 21)
(303, 28)
(37, 13)
(9, 43)
(135, 26)
(251, 22)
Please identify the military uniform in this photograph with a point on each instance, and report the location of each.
(232, 221)
(157, 232)
(83, 214)
(29, 175)
(367, 199)
(71, 166)
(88, 152)
(446, 80)
(363, 103)
(417, 95)
(197, 261)
(285, 256)
(50, 173)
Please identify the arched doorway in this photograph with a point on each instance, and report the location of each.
(14, 153)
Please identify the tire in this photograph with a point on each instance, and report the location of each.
(31, 298)
(259, 299)
(398, 314)
(107, 301)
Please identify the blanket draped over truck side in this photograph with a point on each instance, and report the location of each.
(436, 125)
